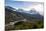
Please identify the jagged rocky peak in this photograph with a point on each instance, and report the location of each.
(33, 11)
(20, 9)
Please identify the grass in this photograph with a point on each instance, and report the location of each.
(29, 25)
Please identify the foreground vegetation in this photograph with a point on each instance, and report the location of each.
(29, 25)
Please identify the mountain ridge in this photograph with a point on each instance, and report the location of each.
(16, 15)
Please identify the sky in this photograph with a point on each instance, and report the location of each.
(26, 5)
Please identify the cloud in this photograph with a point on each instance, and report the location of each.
(26, 5)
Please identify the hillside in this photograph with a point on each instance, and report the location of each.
(28, 21)
(10, 16)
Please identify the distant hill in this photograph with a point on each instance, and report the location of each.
(11, 15)
(29, 14)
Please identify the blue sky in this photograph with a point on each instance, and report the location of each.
(26, 5)
(20, 4)
(17, 4)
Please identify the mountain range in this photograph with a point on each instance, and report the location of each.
(15, 14)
